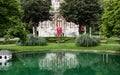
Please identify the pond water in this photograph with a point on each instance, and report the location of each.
(62, 63)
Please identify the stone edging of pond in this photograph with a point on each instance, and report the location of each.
(56, 50)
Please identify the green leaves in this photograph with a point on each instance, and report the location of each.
(35, 11)
(9, 11)
(117, 30)
(82, 12)
(111, 18)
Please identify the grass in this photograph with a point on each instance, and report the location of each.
(112, 40)
(68, 45)
(62, 46)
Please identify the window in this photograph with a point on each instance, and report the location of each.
(71, 25)
(5, 57)
(0, 57)
(41, 25)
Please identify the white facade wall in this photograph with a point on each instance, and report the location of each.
(46, 29)
(49, 29)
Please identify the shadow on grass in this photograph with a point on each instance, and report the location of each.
(118, 41)
(118, 49)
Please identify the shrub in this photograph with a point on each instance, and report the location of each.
(35, 41)
(86, 41)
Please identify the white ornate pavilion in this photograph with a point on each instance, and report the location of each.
(49, 28)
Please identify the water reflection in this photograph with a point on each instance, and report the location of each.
(5, 65)
(5, 57)
(105, 58)
(62, 63)
(59, 62)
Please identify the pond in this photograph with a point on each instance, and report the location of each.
(62, 63)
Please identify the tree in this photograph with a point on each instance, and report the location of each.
(36, 11)
(117, 30)
(17, 31)
(81, 12)
(111, 18)
(10, 13)
(10, 19)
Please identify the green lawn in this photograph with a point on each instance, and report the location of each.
(112, 40)
(62, 46)
(68, 45)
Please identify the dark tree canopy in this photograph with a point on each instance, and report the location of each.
(10, 14)
(10, 19)
(81, 12)
(35, 11)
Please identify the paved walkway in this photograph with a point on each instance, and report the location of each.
(9, 45)
(2, 39)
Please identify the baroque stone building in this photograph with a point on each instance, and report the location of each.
(49, 28)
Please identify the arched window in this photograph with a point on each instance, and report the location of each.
(0, 57)
(59, 21)
(5, 57)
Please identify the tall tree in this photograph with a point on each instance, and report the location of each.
(111, 18)
(81, 12)
(10, 14)
(10, 19)
(36, 11)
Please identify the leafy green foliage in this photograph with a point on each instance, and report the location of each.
(35, 41)
(35, 11)
(81, 12)
(117, 30)
(10, 20)
(9, 11)
(86, 41)
(17, 31)
(111, 18)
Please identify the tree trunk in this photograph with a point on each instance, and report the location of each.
(35, 30)
(79, 29)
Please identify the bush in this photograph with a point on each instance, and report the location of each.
(35, 41)
(87, 41)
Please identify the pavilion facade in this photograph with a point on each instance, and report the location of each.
(49, 28)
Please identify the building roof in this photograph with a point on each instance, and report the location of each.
(5, 52)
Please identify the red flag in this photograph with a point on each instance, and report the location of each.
(59, 30)
(82, 28)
